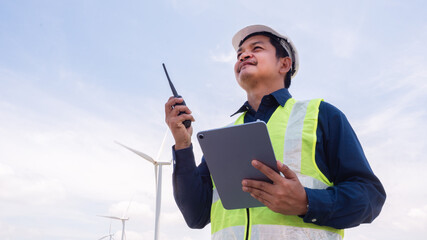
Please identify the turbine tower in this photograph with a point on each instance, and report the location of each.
(158, 175)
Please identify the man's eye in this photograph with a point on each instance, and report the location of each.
(257, 47)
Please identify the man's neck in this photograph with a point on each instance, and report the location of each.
(255, 95)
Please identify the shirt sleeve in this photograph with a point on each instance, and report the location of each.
(192, 188)
(357, 195)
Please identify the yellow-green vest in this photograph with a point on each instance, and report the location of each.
(292, 130)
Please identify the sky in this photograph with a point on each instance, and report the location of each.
(75, 76)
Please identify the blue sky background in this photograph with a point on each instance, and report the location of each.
(77, 75)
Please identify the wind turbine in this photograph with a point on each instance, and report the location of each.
(158, 175)
(123, 219)
(109, 235)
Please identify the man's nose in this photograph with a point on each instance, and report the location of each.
(244, 56)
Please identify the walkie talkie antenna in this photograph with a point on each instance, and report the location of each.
(187, 123)
(175, 94)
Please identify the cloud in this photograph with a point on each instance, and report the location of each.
(413, 220)
(419, 213)
(222, 57)
(391, 131)
(28, 188)
(10, 231)
(61, 157)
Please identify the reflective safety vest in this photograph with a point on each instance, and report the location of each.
(292, 131)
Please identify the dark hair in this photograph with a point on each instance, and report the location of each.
(280, 50)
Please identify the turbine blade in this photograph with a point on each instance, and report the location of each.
(141, 154)
(162, 145)
(104, 237)
(127, 210)
(112, 217)
(164, 163)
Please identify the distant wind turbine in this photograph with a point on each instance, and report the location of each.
(109, 235)
(123, 219)
(158, 175)
(123, 223)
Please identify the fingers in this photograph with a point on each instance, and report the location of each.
(286, 195)
(267, 171)
(180, 109)
(287, 172)
(176, 114)
(177, 122)
(170, 104)
(258, 189)
(260, 195)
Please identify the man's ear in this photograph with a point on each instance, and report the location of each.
(285, 65)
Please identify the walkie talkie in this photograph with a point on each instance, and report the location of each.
(187, 123)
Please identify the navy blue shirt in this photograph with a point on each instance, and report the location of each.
(356, 197)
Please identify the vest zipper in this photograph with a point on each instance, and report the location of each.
(247, 225)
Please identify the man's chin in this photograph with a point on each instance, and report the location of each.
(246, 77)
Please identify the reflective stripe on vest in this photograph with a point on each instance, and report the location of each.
(292, 131)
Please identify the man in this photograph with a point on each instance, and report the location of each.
(328, 184)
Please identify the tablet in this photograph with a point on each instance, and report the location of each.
(228, 153)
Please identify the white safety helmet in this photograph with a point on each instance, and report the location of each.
(284, 41)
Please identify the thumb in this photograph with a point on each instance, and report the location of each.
(289, 174)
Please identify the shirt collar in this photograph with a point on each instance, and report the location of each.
(282, 95)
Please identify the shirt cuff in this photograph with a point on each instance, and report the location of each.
(320, 206)
(183, 160)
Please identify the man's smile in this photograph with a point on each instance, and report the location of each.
(245, 63)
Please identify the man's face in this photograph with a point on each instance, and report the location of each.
(256, 62)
